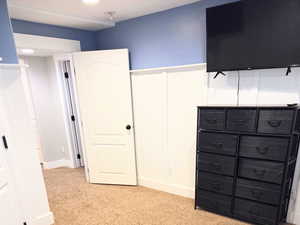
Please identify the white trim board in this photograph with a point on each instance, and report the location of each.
(45, 46)
(46, 219)
(150, 71)
(58, 164)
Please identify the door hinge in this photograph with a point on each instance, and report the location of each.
(4, 142)
(78, 156)
(73, 118)
(66, 75)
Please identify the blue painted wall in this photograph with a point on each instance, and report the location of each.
(169, 38)
(7, 44)
(87, 38)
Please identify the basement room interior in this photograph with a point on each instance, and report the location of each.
(174, 112)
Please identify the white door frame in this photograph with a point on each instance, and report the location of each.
(58, 59)
(74, 123)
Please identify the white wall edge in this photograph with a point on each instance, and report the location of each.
(58, 164)
(199, 66)
(296, 219)
(46, 219)
(170, 188)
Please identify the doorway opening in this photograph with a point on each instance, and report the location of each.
(50, 96)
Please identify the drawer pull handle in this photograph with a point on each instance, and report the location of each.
(259, 173)
(256, 194)
(216, 186)
(211, 121)
(240, 121)
(274, 123)
(255, 211)
(262, 151)
(217, 145)
(216, 166)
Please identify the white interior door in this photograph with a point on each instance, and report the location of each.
(104, 91)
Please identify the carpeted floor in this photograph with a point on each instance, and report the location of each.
(75, 202)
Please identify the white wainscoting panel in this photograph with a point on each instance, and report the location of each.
(223, 89)
(186, 91)
(149, 102)
(165, 110)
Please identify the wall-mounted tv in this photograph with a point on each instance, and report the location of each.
(253, 34)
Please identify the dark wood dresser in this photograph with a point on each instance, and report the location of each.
(245, 163)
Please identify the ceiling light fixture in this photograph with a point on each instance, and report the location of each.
(27, 51)
(90, 2)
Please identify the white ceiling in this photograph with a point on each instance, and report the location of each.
(73, 13)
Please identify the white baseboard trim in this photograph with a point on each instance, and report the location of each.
(58, 164)
(170, 188)
(47, 219)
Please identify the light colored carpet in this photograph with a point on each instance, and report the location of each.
(75, 202)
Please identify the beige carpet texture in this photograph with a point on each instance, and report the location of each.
(76, 202)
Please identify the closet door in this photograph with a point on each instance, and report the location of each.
(105, 102)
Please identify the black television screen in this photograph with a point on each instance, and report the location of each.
(253, 34)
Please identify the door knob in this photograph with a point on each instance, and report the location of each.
(128, 127)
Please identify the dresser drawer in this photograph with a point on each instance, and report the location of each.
(255, 212)
(275, 121)
(215, 183)
(261, 170)
(241, 120)
(254, 190)
(264, 147)
(214, 202)
(216, 164)
(211, 119)
(217, 143)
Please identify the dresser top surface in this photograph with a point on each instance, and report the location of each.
(251, 106)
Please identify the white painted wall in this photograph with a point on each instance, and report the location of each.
(48, 106)
(23, 161)
(165, 103)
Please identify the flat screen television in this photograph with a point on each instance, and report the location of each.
(253, 34)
